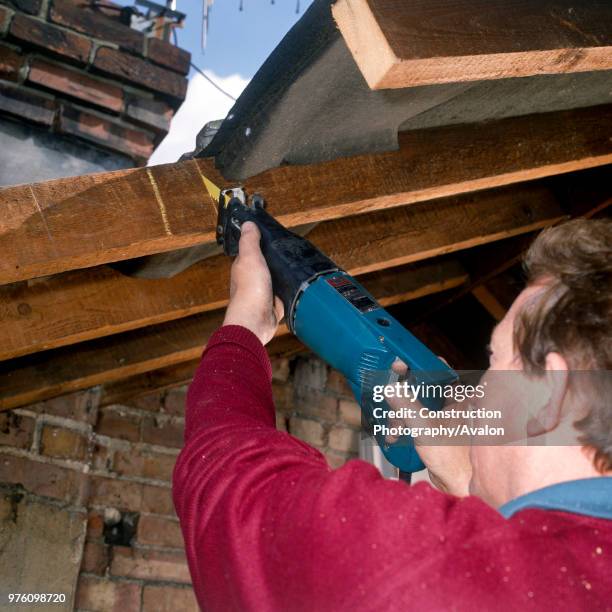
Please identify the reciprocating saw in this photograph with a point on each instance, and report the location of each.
(332, 314)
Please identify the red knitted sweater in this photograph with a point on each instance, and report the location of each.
(269, 526)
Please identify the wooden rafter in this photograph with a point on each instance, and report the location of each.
(80, 222)
(407, 44)
(106, 360)
(82, 305)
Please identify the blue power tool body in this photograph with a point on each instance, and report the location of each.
(334, 315)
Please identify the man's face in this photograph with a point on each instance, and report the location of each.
(492, 465)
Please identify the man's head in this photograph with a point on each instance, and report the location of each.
(558, 328)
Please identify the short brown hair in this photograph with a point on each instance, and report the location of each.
(572, 316)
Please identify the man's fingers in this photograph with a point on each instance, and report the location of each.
(279, 308)
(249, 240)
(399, 367)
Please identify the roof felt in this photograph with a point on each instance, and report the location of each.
(309, 102)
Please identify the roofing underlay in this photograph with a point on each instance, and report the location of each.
(309, 103)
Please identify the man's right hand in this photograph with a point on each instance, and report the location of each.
(252, 303)
(449, 466)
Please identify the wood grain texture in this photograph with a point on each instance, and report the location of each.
(407, 44)
(81, 305)
(81, 222)
(489, 302)
(103, 361)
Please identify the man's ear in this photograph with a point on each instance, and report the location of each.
(549, 416)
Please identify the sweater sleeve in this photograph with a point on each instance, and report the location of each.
(269, 526)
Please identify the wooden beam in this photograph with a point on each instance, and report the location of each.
(487, 263)
(410, 282)
(407, 44)
(82, 305)
(489, 302)
(51, 373)
(80, 222)
(413, 233)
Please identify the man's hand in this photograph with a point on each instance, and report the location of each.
(252, 303)
(449, 466)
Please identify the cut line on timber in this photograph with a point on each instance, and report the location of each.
(160, 202)
(101, 218)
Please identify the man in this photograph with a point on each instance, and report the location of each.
(268, 526)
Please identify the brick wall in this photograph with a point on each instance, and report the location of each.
(81, 73)
(111, 466)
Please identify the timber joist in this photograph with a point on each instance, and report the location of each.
(156, 325)
(400, 220)
(80, 222)
(407, 44)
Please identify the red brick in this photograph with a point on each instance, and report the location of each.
(106, 7)
(135, 143)
(317, 406)
(157, 500)
(149, 113)
(337, 383)
(151, 402)
(79, 16)
(77, 84)
(117, 423)
(308, 431)
(281, 421)
(10, 62)
(27, 6)
(174, 402)
(145, 464)
(114, 493)
(41, 478)
(310, 375)
(7, 508)
(63, 443)
(136, 70)
(350, 413)
(26, 104)
(95, 558)
(95, 524)
(50, 38)
(102, 458)
(283, 397)
(158, 531)
(5, 15)
(168, 55)
(336, 459)
(168, 599)
(280, 369)
(161, 431)
(16, 430)
(103, 595)
(344, 440)
(150, 565)
(80, 406)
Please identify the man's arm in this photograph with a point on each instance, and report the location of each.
(267, 524)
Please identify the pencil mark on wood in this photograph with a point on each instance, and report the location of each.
(44, 220)
(160, 202)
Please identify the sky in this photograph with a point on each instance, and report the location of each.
(238, 43)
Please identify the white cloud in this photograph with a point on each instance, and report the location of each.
(203, 103)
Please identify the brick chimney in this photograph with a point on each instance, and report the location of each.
(81, 91)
